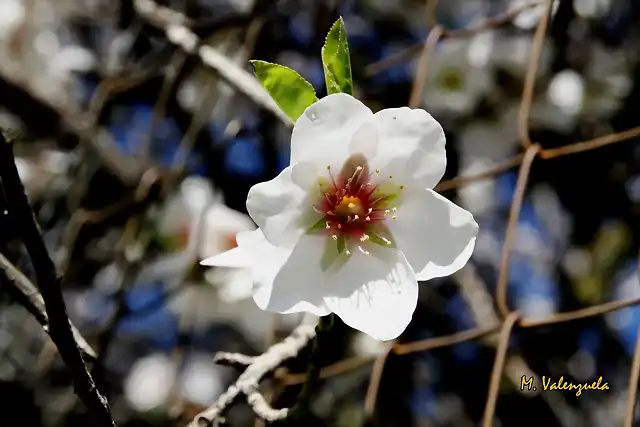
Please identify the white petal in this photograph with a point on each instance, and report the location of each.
(288, 292)
(279, 206)
(238, 284)
(236, 257)
(322, 133)
(383, 305)
(413, 135)
(364, 287)
(435, 235)
(222, 222)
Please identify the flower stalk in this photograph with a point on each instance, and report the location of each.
(302, 409)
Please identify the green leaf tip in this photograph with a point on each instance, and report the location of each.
(336, 60)
(289, 90)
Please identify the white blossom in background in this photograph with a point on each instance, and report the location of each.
(366, 346)
(528, 19)
(352, 224)
(562, 104)
(201, 381)
(149, 382)
(454, 83)
(44, 172)
(608, 81)
(592, 8)
(484, 143)
(512, 53)
(198, 225)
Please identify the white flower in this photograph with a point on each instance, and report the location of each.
(198, 221)
(352, 225)
(529, 18)
(149, 383)
(456, 81)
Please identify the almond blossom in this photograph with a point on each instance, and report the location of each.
(352, 225)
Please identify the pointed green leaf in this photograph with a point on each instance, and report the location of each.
(336, 61)
(290, 90)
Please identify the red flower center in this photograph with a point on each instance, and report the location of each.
(355, 204)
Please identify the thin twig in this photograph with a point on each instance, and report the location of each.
(25, 293)
(244, 82)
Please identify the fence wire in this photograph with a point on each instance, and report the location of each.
(146, 178)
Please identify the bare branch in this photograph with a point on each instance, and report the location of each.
(181, 36)
(25, 293)
(48, 282)
(248, 383)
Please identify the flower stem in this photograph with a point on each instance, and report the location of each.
(303, 406)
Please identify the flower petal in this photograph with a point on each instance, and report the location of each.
(322, 133)
(411, 134)
(384, 304)
(375, 293)
(238, 284)
(222, 222)
(279, 207)
(435, 235)
(292, 290)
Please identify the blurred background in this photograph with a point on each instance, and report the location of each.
(138, 158)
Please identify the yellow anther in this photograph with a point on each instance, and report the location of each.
(364, 238)
(351, 205)
(393, 217)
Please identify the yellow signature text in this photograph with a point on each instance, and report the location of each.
(548, 384)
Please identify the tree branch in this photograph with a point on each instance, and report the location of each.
(49, 282)
(178, 34)
(248, 383)
(26, 294)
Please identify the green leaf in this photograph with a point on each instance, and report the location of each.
(290, 90)
(336, 61)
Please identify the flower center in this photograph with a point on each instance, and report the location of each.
(451, 79)
(354, 205)
(230, 241)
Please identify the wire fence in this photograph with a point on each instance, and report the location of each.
(146, 178)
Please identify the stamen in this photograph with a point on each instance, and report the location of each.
(363, 251)
(364, 238)
(367, 218)
(387, 241)
(393, 217)
(334, 236)
(327, 225)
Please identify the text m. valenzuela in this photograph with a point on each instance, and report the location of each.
(548, 384)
